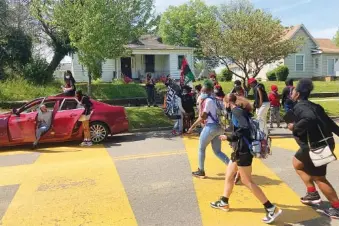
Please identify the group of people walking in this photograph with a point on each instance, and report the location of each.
(311, 127)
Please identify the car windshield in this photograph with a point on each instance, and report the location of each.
(34, 105)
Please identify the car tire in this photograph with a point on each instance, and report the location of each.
(99, 131)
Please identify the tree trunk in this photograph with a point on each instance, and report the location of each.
(89, 84)
(57, 58)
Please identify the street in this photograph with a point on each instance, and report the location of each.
(145, 179)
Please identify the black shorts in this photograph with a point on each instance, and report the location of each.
(242, 159)
(303, 156)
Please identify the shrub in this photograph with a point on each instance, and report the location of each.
(271, 75)
(161, 88)
(36, 71)
(282, 72)
(17, 89)
(226, 74)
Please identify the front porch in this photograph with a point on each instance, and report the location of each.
(137, 66)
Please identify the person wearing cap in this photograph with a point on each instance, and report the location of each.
(261, 103)
(274, 106)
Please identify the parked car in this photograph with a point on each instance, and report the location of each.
(18, 127)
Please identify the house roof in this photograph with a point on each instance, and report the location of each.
(327, 46)
(151, 42)
(291, 31)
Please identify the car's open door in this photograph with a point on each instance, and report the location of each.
(66, 117)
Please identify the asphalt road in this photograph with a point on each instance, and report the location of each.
(144, 179)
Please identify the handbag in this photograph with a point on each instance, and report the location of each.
(321, 155)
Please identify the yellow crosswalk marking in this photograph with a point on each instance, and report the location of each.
(77, 187)
(245, 208)
(13, 174)
(291, 145)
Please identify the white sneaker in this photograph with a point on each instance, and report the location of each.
(271, 215)
(89, 143)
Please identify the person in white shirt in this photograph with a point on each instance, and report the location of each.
(211, 131)
(44, 123)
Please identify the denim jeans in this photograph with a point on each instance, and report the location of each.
(210, 134)
(178, 126)
(42, 129)
(150, 95)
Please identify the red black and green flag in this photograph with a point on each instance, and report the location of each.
(186, 75)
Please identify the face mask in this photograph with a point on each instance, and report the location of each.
(67, 76)
(184, 93)
(215, 91)
(204, 95)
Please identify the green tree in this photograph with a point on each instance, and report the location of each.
(52, 34)
(179, 26)
(336, 38)
(100, 29)
(247, 37)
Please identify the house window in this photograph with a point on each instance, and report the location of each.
(316, 63)
(299, 62)
(180, 58)
(149, 63)
(330, 67)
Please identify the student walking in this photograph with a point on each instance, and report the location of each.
(313, 130)
(241, 161)
(211, 130)
(238, 89)
(179, 114)
(261, 103)
(274, 106)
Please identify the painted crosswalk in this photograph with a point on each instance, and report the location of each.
(138, 183)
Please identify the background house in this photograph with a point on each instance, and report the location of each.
(148, 55)
(316, 57)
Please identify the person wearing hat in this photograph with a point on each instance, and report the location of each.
(261, 103)
(275, 106)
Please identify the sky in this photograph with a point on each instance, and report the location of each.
(320, 17)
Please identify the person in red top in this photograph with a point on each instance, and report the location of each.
(275, 105)
(213, 78)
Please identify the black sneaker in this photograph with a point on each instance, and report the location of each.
(311, 198)
(332, 213)
(271, 215)
(220, 205)
(199, 173)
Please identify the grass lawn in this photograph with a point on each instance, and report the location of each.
(331, 107)
(319, 87)
(20, 90)
(146, 117)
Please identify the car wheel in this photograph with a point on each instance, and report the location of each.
(99, 132)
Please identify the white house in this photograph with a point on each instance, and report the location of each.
(317, 57)
(148, 55)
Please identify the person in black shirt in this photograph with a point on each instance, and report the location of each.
(150, 88)
(69, 87)
(188, 105)
(311, 128)
(261, 103)
(286, 100)
(85, 118)
(242, 162)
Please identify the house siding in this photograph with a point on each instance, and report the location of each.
(325, 57)
(306, 50)
(174, 70)
(108, 69)
(79, 72)
(166, 62)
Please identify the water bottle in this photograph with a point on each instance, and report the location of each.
(256, 148)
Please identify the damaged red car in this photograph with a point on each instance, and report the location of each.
(19, 126)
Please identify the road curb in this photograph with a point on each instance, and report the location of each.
(151, 129)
